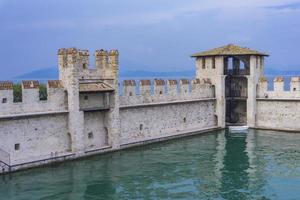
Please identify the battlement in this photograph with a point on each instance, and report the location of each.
(76, 61)
(159, 90)
(6, 85)
(82, 113)
(279, 88)
(30, 84)
(30, 96)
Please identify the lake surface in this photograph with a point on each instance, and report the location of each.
(218, 165)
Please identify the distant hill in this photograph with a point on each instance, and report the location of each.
(274, 72)
(52, 73)
(140, 73)
(41, 74)
(132, 70)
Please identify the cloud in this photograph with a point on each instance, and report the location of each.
(218, 12)
(139, 14)
(286, 7)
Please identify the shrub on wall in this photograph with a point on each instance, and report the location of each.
(17, 92)
(43, 92)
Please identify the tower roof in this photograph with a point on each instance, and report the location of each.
(95, 87)
(228, 50)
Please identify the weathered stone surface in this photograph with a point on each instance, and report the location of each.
(81, 117)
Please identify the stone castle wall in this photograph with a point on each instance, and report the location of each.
(85, 115)
(33, 129)
(160, 91)
(31, 103)
(161, 110)
(35, 132)
(277, 108)
(37, 137)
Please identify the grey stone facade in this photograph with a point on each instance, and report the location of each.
(85, 115)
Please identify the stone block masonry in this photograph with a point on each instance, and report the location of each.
(278, 109)
(85, 115)
(171, 109)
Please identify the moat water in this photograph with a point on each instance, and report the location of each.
(218, 165)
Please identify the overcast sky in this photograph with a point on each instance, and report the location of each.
(159, 34)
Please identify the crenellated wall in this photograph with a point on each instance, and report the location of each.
(278, 91)
(166, 108)
(277, 108)
(84, 114)
(31, 103)
(104, 67)
(165, 91)
(32, 128)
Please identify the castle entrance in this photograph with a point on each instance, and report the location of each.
(236, 85)
(236, 100)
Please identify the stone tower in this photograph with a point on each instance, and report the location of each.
(92, 96)
(234, 71)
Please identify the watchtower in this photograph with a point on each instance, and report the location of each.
(234, 71)
(92, 96)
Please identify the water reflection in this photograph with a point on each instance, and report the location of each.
(236, 162)
(220, 165)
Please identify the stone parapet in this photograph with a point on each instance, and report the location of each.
(279, 91)
(26, 98)
(186, 90)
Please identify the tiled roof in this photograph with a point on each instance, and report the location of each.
(55, 84)
(207, 80)
(113, 52)
(229, 50)
(196, 81)
(83, 52)
(159, 82)
(101, 52)
(129, 82)
(145, 82)
(172, 82)
(6, 85)
(279, 79)
(184, 81)
(95, 87)
(63, 51)
(263, 79)
(30, 84)
(295, 79)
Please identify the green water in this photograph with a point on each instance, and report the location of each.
(219, 165)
